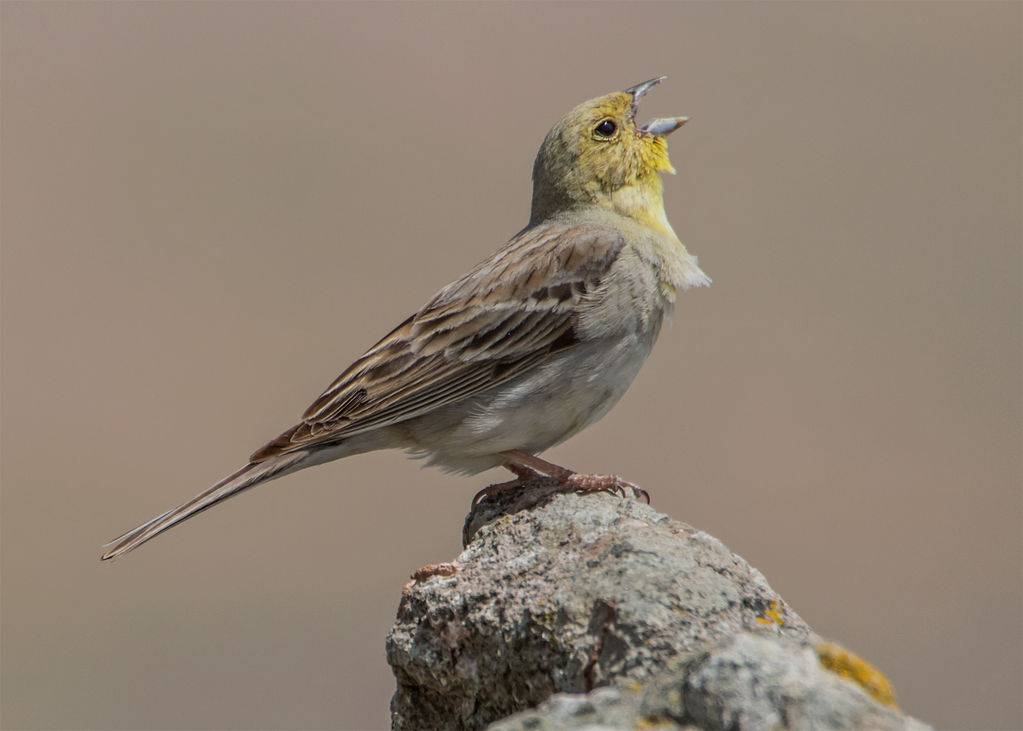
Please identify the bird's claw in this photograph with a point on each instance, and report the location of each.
(606, 483)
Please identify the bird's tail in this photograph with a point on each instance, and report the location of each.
(248, 476)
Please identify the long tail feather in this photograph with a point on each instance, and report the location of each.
(248, 476)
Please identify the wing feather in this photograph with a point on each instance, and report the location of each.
(507, 315)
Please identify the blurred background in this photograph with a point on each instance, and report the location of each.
(210, 209)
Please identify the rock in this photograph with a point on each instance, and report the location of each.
(746, 682)
(587, 591)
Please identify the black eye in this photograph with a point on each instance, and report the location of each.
(606, 128)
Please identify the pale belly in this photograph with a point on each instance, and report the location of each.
(532, 412)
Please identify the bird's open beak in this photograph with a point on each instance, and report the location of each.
(662, 126)
(640, 89)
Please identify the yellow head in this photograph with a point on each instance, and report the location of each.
(598, 156)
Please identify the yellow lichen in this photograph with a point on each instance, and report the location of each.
(841, 661)
(772, 614)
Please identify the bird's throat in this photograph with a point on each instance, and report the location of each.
(643, 200)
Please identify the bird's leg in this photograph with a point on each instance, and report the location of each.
(545, 478)
(569, 480)
(525, 475)
(519, 460)
(490, 490)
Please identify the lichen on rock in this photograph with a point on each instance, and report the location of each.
(572, 596)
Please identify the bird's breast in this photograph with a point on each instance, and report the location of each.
(534, 411)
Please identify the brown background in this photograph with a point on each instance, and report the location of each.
(210, 209)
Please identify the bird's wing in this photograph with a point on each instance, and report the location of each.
(505, 316)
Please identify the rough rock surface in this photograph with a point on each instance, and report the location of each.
(595, 590)
(747, 682)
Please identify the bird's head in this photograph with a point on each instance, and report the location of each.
(598, 155)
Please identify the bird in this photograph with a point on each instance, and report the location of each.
(533, 344)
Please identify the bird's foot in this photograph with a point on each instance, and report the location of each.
(605, 483)
(542, 487)
(571, 480)
(491, 491)
(541, 479)
(537, 481)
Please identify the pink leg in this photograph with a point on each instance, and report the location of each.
(525, 475)
(517, 459)
(569, 480)
(491, 490)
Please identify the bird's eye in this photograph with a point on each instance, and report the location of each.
(605, 128)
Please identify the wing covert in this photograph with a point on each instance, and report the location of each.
(505, 316)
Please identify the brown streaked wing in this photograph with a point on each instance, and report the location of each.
(505, 316)
(330, 404)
